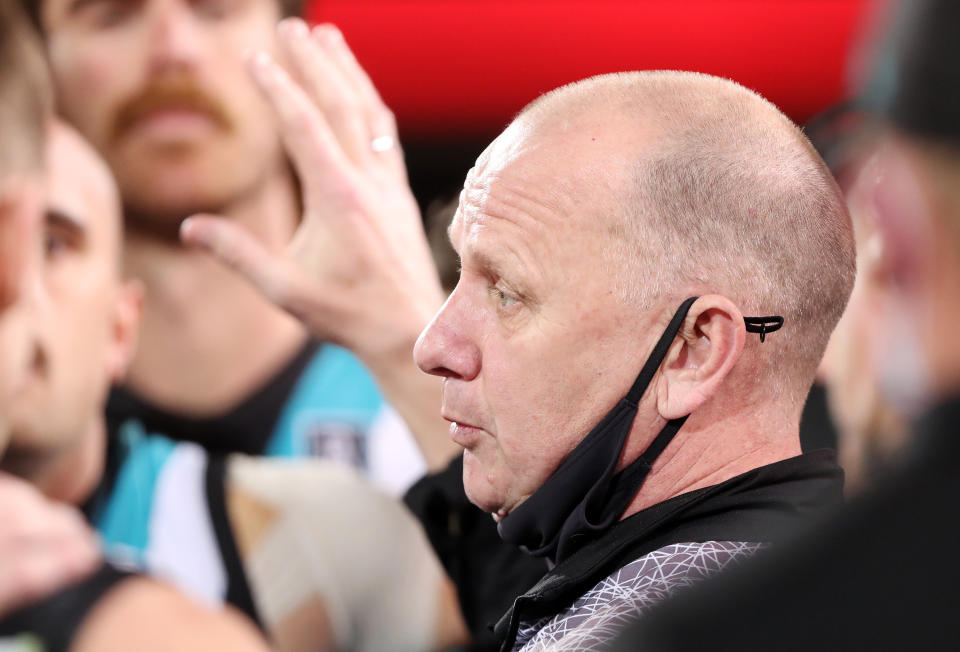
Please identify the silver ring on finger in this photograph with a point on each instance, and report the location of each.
(382, 143)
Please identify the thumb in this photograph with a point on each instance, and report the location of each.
(239, 250)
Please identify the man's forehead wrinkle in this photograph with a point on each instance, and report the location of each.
(508, 258)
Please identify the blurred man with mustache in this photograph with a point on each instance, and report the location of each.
(173, 93)
(159, 88)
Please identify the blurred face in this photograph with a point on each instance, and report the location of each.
(82, 343)
(848, 365)
(534, 344)
(21, 206)
(160, 89)
(875, 332)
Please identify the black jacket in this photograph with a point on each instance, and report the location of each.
(881, 574)
(761, 505)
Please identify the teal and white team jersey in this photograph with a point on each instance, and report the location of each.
(336, 412)
(162, 506)
(323, 403)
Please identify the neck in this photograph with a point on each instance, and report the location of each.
(69, 474)
(208, 338)
(712, 448)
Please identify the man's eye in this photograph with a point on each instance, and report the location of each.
(504, 299)
(55, 245)
(60, 240)
(216, 9)
(104, 13)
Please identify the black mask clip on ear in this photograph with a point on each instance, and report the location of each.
(763, 325)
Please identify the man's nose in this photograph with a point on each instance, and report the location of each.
(175, 37)
(446, 346)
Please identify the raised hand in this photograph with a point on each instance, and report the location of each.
(358, 271)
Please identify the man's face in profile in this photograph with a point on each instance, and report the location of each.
(160, 88)
(534, 344)
(75, 351)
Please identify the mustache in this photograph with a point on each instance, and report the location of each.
(169, 93)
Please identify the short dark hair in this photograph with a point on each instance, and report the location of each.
(35, 7)
(25, 89)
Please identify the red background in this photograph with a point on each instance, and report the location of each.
(460, 68)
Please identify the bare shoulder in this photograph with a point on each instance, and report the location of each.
(143, 614)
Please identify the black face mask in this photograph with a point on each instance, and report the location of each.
(585, 496)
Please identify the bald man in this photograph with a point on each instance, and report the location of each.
(652, 264)
(882, 573)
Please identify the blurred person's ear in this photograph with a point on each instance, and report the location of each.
(899, 250)
(706, 349)
(125, 328)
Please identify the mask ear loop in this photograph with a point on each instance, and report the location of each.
(763, 325)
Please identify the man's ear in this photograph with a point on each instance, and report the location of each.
(903, 218)
(706, 349)
(126, 328)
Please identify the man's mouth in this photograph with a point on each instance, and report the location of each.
(173, 121)
(463, 433)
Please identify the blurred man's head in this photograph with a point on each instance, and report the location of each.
(24, 111)
(87, 339)
(893, 354)
(581, 230)
(159, 87)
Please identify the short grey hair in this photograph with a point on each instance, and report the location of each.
(728, 197)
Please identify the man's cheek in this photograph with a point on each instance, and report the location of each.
(91, 89)
(14, 346)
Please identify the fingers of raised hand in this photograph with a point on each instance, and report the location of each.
(333, 78)
(239, 250)
(306, 134)
(381, 123)
(324, 83)
(380, 120)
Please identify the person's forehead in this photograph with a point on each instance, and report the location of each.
(567, 177)
(80, 187)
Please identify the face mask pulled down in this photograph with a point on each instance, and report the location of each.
(585, 495)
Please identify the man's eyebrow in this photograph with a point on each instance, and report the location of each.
(65, 220)
(75, 5)
(489, 264)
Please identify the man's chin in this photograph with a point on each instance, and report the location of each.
(161, 208)
(161, 186)
(477, 486)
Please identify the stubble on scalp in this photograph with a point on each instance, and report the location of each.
(720, 193)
